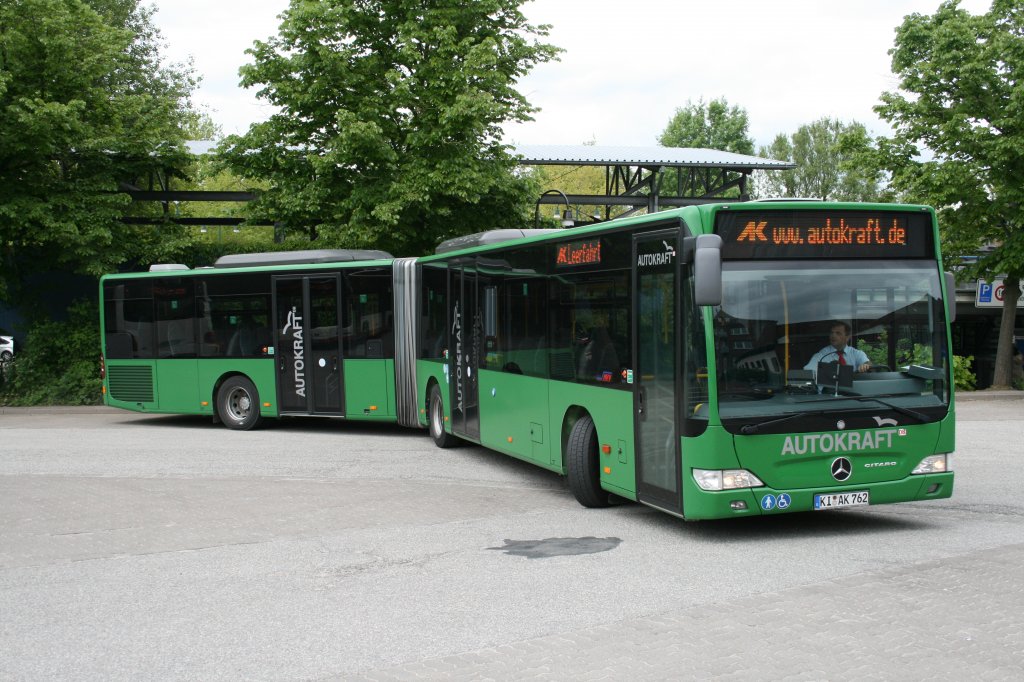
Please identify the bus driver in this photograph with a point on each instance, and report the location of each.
(839, 351)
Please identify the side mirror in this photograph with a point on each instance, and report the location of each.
(950, 296)
(707, 270)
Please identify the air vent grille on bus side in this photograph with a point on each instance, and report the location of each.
(131, 384)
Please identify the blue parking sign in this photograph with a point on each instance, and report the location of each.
(984, 292)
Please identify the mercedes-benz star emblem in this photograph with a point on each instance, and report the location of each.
(841, 469)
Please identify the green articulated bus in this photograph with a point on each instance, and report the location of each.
(693, 360)
(259, 335)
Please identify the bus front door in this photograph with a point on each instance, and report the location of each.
(309, 368)
(465, 350)
(658, 465)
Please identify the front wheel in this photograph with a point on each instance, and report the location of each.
(238, 404)
(584, 465)
(6, 356)
(435, 417)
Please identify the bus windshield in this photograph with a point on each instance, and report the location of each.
(789, 334)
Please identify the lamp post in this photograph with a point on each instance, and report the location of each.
(567, 220)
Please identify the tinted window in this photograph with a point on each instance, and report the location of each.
(368, 320)
(128, 319)
(590, 316)
(433, 315)
(174, 306)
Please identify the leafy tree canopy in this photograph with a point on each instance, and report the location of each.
(388, 130)
(85, 104)
(714, 125)
(826, 154)
(961, 103)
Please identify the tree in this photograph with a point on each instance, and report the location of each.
(714, 125)
(85, 104)
(388, 131)
(826, 154)
(960, 99)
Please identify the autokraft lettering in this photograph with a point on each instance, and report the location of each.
(293, 324)
(826, 443)
(457, 332)
(665, 257)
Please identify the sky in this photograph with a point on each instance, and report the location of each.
(625, 70)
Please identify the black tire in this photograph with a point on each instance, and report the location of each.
(238, 404)
(435, 420)
(584, 466)
(6, 356)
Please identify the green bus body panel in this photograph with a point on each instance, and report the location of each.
(612, 412)
(803, 476)
(428, 371)
(700, 504)
(180, 386)
(178, 381)
(261, 371)
(532, 411)
(369, 389)
(802, 460)
(514, 417)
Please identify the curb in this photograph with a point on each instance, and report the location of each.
(989, 395)
(61, 409)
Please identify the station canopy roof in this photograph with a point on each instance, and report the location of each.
(666, 157)
(636, 179)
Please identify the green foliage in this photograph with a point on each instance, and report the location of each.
(907, 352)
(960, 99)
(389, 129)
(59, 362)
(85, 104)
(827, 157)
(714, 125)
(963, 376)
(878, 353)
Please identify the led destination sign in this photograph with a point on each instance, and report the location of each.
(578, 253)
(824, 234)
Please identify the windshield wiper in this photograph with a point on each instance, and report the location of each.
(902, 410)
(750, 429)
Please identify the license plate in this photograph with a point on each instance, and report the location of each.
(840, 500)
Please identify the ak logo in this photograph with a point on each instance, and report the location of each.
(753, 232)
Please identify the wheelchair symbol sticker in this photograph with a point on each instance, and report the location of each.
(784, 501)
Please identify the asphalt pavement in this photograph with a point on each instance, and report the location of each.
(164, 547)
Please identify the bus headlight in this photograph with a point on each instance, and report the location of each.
(935, 464)
(727, 479)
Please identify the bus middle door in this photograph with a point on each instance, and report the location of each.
(309, 368)
(465, 347)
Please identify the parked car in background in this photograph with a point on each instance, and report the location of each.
(6, 348)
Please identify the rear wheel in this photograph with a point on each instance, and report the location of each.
(238, 404)
(584, 465)
(435, 418)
